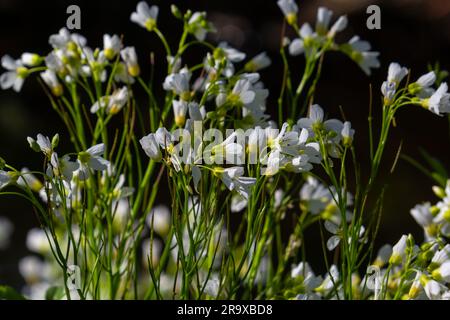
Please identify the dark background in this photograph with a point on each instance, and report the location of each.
(413, 33)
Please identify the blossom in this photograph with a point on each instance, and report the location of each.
(439, 102)
(422, 214)
(112, 103)
(422, 86)
(305, 42)
(29, 180)
(314, 196)
(289, 9)
(329, 131)
(179, 83)
(383, 255)
(226, 150)
(50, 78)
(337, 232)
(31, 59)
(359, 51)
(399, 251)
(129, 57)
(314, 123)
(441, 256)
(145, 16)
(396, 73)
(5, 179)
(91, 159)
(151, 147)
(179, 110)
(111, 45)
(62, 167)
(199, 26)
(234, 180)
(15, 75)
(65, 40)
(442, 273)
(41, 144)
(258, 62)
(122, 74)
(323, 20)
(347, 134)
(338, 26)
(241, 94)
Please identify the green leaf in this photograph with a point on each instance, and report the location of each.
(8, 293)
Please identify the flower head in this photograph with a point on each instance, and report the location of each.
(145, 16)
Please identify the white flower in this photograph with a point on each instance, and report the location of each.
(337, 232)
(179, 111)
(338, 26)
(5, 179)
(289, 9)
(441, 256)
(111, 45)
(347, 134)
(62, 167)
(199, 26)
(15, 75)
(179, 83)
(50, 78)
(315, 122)
(196, 112)
(258, 62)
(329, 282)
(129, 57)
(314, 196)
(330, 130)
(422, 214)
(433, 289)
(422, 87)
(383, 255)
(42, 143)
(227, 150)
(91, 159)
(388, 91)
(122, 74)
(242, 93)
(159, 219)
(31, 59)
(6, 230)
(361, 54)
(399, 251)
(439, 102)
(396, 73)
(443, 272)
(323, 20)
(121, 192)
(305, 43)
(27, 179)
(233, 179)
(64, 39)
(151, 147)
(145, 16)
(113, 103)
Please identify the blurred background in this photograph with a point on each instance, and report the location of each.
(414, 33)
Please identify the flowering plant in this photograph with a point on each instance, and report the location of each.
(211, 148)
